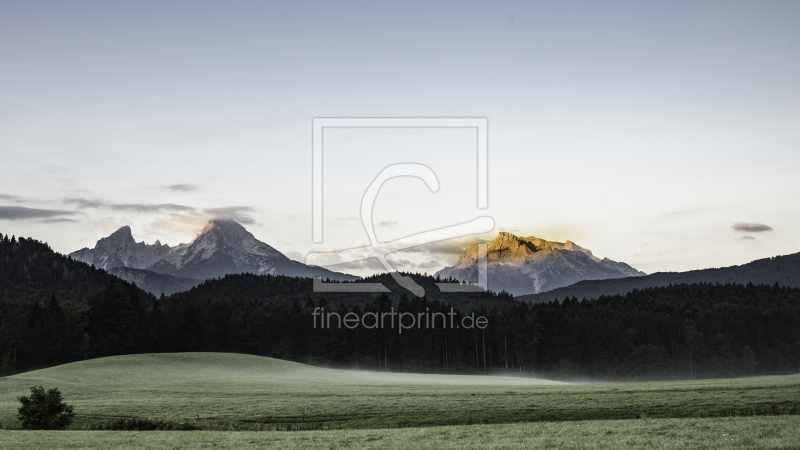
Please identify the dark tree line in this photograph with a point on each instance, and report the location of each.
(683, 331)
(278, 289)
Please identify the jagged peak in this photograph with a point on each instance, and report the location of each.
(123, 231)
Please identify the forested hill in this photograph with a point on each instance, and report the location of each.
(277, 289)
(31, 271)
(784, 270)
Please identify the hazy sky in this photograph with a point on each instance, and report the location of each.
(643, 131)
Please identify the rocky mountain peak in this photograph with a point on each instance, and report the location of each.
(522, 265)
(118, 239)
(223, 247)
(123, 232)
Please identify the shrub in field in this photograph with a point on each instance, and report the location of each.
(44, 410)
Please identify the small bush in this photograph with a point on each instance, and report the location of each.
(44, 410)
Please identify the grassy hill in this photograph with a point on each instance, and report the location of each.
(225, 386)
(232, 391)
(198, 369)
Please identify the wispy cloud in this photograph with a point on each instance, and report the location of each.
(144, 207)
(84, 203)
(751, 227)
(182, 187)
(22, 213)
(450, 246)
(387, 222)
(409, 265)
(431, 264)
(236, 213)
(747, 238)
(189, 222)
(59, 220)
(10, 198)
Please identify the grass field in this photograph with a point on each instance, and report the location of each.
(775, 433)
(253, 392)
(218, 392)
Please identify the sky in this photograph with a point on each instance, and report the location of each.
(662, 134)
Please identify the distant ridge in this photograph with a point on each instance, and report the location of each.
(784, 270)
(152, 282)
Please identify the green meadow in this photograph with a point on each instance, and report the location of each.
(779, 433)
(242, 400)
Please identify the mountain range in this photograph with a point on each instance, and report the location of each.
(530, 265)
(222, 247)
(783, 270)
(530, 268)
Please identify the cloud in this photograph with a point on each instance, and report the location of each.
(402, 254)
(189, 222)
(406, 264)
(747, 238)
(182, 187)
(11, 198)
(84, 203)
(431, 264)
(387, 222)
(234, 212)
(22, 213)
(334, 261)
(371, 264)
(59, 220)
(750, 227)
(450, 246)
(347, 218)
(148, 208)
